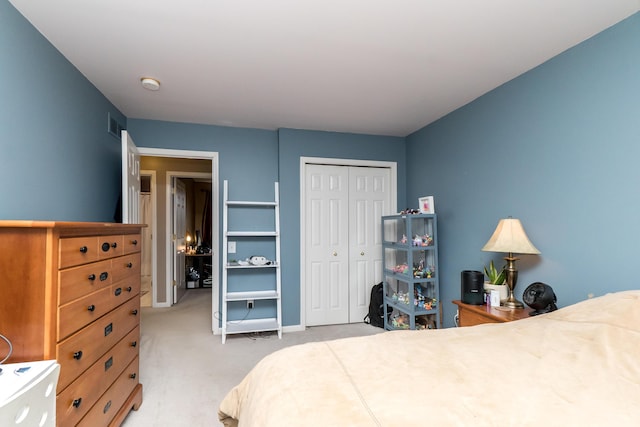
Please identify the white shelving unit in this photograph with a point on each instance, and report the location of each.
(248, 323)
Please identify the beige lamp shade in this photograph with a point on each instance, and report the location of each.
(510, 237)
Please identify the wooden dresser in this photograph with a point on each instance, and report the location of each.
(70, 291)
(470, 315)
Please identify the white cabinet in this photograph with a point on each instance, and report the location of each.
(251, 276)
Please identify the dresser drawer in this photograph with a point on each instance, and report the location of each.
(132, 243)
(79, 281)
(76, 400)
(110, 403)
(126, 266)
(78, 251)
(78, 352)
(79, 313)
(110, 246)
(128, 287)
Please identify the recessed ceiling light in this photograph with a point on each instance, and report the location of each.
(149, 83)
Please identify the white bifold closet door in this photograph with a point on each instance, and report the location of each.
(344, 205)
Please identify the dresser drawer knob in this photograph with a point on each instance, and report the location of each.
(133, 376)
(104, 276)
(106, 407)
(92, 277)
(134, 312)
(105, 247)
(129, 265)
(76, 402)
(118, 292)
(134, 344)
(83, 249)
(91, 307)
(134, 242)
(114, 245)
(129, 288)
(77, 355)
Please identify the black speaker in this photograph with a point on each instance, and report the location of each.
(472, 287)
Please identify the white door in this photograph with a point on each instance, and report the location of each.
(179, 202)
(369, 194)
(130, 180)
(343, 243)
(327, 269)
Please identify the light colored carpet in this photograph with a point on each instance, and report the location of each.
(185, 370)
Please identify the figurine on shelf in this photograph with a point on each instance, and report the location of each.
(404, 239)
(409, 211)
(417, 240)
(427, 240)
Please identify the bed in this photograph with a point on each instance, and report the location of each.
(579, 365)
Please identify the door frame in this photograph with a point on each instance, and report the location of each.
(304, 161)
(154, 232)
(215, 225)
(169, 212)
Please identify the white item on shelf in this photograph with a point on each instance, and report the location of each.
(28, 393)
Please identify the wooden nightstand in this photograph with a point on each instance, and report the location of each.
(469, 315)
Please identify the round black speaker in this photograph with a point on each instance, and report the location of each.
(472, 287)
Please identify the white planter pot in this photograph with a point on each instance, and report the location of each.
(503, 289)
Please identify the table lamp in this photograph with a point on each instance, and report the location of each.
(510, 237)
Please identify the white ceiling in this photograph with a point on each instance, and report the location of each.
(366, 66)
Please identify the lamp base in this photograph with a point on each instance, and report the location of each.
(512, 303)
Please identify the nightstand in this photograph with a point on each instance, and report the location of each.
(470, 315)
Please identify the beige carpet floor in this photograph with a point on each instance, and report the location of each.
(185, 370)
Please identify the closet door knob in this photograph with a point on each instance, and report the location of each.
(335, 253)
(362, 253)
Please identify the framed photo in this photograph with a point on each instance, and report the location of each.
(426, 205)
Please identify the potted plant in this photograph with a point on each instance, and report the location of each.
(496, 280)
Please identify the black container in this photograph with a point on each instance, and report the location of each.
(472, 287)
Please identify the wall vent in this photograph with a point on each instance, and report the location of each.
(114, 127)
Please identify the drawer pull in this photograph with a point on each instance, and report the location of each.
(108, 329)
(108, 364)
(134, 242)
(91, 307)
(77, 355)
(105, 247)
(133, 376)
(92, 277)
(134, 312)
(130, 265)
(106, 407)
(129, 288)
(118, 291)
(134, 344)
(103, 276)
(83, 249)
(76, 402)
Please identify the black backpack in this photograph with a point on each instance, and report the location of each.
(376, 307)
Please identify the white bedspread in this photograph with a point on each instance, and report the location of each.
(578, 366)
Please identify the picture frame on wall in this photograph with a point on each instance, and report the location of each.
(426, 205)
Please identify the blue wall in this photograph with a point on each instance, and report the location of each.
(57, 160)
(557, 147)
